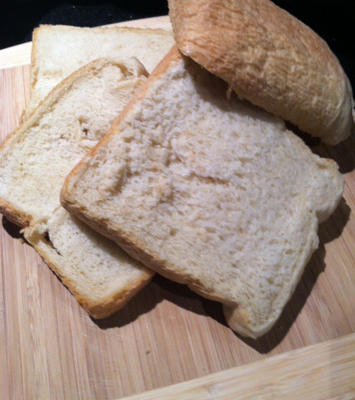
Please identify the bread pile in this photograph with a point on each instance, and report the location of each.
(195, 175)
(56, 134)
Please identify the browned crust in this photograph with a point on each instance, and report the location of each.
(107, 28)
(270, 58)
(14, 215)
(104, 307)
(11, 212)
(34, 72)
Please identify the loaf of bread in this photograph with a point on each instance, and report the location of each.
(209, 191)
(34, 161)
(269, 58)
(59, 50)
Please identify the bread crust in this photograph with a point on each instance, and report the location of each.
(101, 308)
(34, 62)
(270, 58)
(105, 28)
(14, 215)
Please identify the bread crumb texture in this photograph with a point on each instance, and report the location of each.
(219, 193)
(96, 265)
(59, 50)
(38, 156)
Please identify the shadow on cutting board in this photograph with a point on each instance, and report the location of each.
(13, 230)
(342, 153)
(158, 290)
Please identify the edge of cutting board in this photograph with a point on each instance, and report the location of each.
(321, 371)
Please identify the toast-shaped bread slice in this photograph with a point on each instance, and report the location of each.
(270, 58)
(209, 191)
(59, 50)
(34, 161)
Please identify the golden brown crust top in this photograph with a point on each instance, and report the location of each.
(269, 58)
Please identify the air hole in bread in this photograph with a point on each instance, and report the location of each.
(50, 243)
(83, 126)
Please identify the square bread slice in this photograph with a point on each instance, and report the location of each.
(34, 161)
(59, 50)
(209, 191)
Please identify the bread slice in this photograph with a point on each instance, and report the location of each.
(59, 50)
(208, 191)
(34, 161)
(270, 58)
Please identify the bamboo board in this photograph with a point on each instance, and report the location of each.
(50, 348)
(291, 376)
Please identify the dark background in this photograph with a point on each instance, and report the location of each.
(334, 20)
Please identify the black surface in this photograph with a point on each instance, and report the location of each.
(19, 17)
(334, 20)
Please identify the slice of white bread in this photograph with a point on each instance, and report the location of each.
(59, 50)
(208, 191)
(269, 58)
(34, 161)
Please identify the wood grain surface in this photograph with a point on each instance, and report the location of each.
(51, 349)
(289, 376)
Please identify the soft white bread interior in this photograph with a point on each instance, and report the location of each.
(101, 276)
(270, 58)
(37, 156)
(209, 191)
(59, 50)
(34, 161)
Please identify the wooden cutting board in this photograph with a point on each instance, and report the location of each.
(50, 348)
